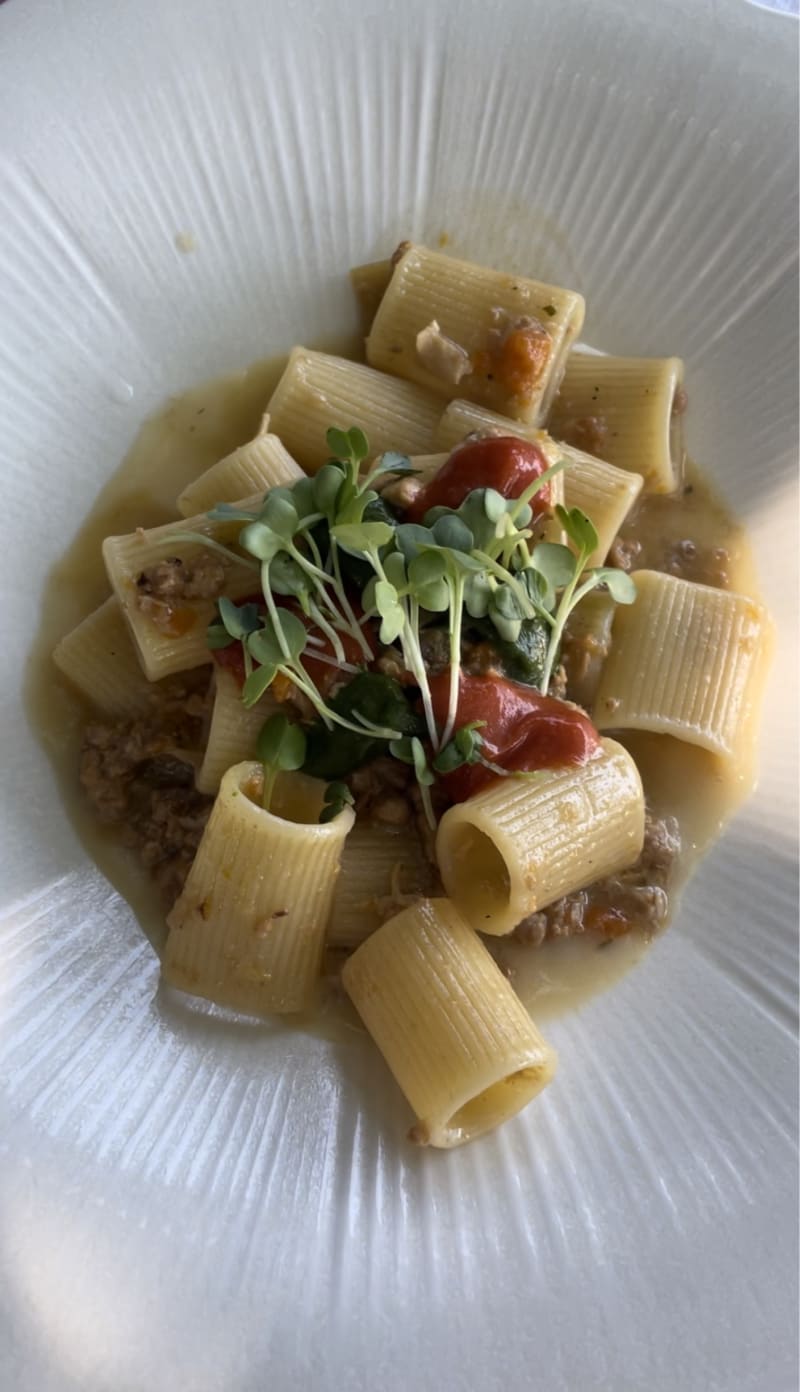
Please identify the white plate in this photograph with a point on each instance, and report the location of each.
(207, 1206)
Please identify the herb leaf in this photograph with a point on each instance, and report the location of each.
(371, 695)
(337, 796)
(280, 744)
(556, 563)
(362, 537)
(620, 585)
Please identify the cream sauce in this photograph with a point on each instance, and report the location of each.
(186, 437)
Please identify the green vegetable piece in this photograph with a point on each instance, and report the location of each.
(327, 485)
(257, 683)
(494, 504)
(477, 593)
(523, 658)
(578, 528)
(238, 620)
(362, 537)
(394, 568)
(556, 563)
(281, 742)
(463, 748)
(427, 582)
(427, 568)
(265, 645)
(280, 514)
(410, 537)
(260, 541)
(373, 696)
(401, 749)
(538, 588)
(281, 746)
(338, 443)
(358, 442)
(286, 576)
(385, 597)
(391, 462)
(303, 496)
(452, 532)
(620, 585)
(337, 796)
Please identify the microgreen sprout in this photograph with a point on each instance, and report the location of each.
(411, 750)
(281, 746)
(337, 796)
(567, 571)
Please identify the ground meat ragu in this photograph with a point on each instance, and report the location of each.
(139, 775)
(624, 553)
(178, 581)
(637, 898)
(386, 792)
(705, 565)
(587, 433)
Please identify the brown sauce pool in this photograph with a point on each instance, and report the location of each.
(190, 434)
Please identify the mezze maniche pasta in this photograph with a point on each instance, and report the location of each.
(408, 682)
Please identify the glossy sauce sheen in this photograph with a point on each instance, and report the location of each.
(501, 462)
(189, 435)
(522, 729)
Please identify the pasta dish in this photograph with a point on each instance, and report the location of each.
(386, 696)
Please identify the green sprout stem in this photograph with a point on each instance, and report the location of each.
(427, 805)
(409, 642)
(268, 784)
(535, 487)
(569, 598)
(456, 612)
(355, 625)
(529, 609)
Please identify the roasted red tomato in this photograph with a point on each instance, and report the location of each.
(502, 462)
(523, 729)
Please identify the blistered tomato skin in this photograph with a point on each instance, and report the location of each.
(523, 729)
(502, 462)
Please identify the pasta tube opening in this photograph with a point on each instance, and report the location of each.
(475, 861)
(248, 930)
(515, 847)
(496, 1103)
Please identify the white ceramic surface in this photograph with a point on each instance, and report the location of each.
(197, 1205)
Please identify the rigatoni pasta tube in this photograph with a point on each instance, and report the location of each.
(248, 929)
(318, 390)
(369, 284)
(462, 418)
(172, 638)
(252, 468)
(465, 330)
(519, 844)
(626, 410)
(458, 1040)
(233, 730)
(586, 645)
(685, 661)
(380, 867)
(99, 658)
